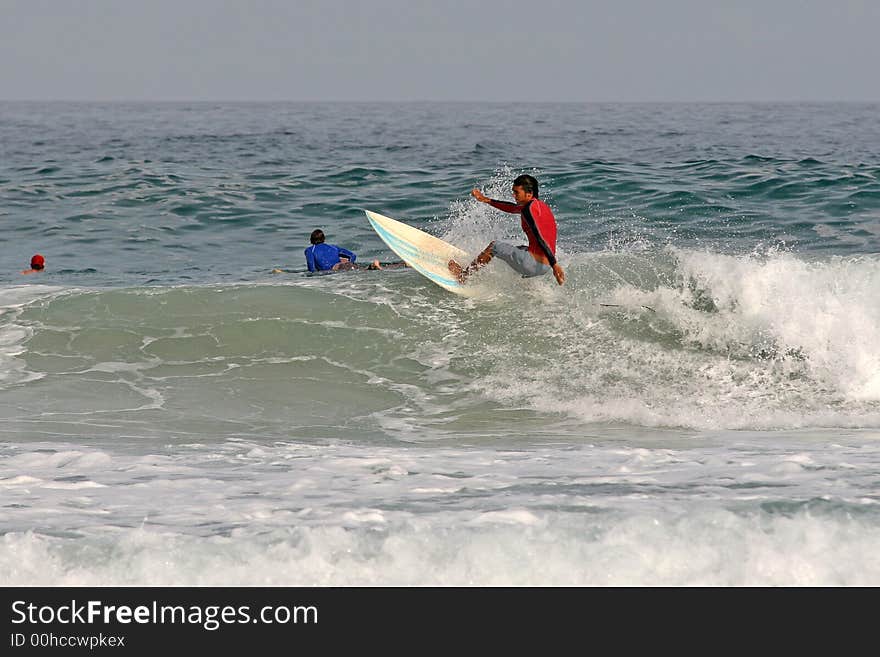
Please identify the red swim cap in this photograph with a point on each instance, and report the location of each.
(37, 261)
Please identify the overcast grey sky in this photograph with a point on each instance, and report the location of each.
(484, 50)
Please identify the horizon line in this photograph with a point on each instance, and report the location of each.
(814, 101)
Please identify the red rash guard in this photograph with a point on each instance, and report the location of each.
(539, 225)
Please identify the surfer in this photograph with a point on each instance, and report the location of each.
(321, 256)
(539, 225)
(38, 262)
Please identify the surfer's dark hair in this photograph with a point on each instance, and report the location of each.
(317, 236)
(528, 183)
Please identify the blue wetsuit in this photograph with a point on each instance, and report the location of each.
(320, 257)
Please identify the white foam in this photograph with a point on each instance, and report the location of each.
(706, 549)
(507, 517)
(240, 513)
(21, 480)
(827, 310)
(721, 342)
(73, 485)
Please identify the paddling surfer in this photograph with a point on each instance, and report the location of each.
(321, 256)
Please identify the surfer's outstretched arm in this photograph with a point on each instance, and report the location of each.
(504, 206)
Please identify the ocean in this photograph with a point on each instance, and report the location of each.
(698, 405)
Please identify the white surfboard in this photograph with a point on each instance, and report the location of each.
(425, 253)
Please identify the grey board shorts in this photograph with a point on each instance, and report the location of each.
(520, 259)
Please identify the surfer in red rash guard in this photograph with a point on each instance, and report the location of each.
(539, 225)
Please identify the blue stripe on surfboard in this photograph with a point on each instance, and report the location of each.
(402, 246)
(411, 254)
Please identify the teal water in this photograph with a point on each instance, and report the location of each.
(124, 194)
(699, 404)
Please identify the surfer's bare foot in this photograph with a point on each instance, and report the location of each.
(457, 271)
(375, 265)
